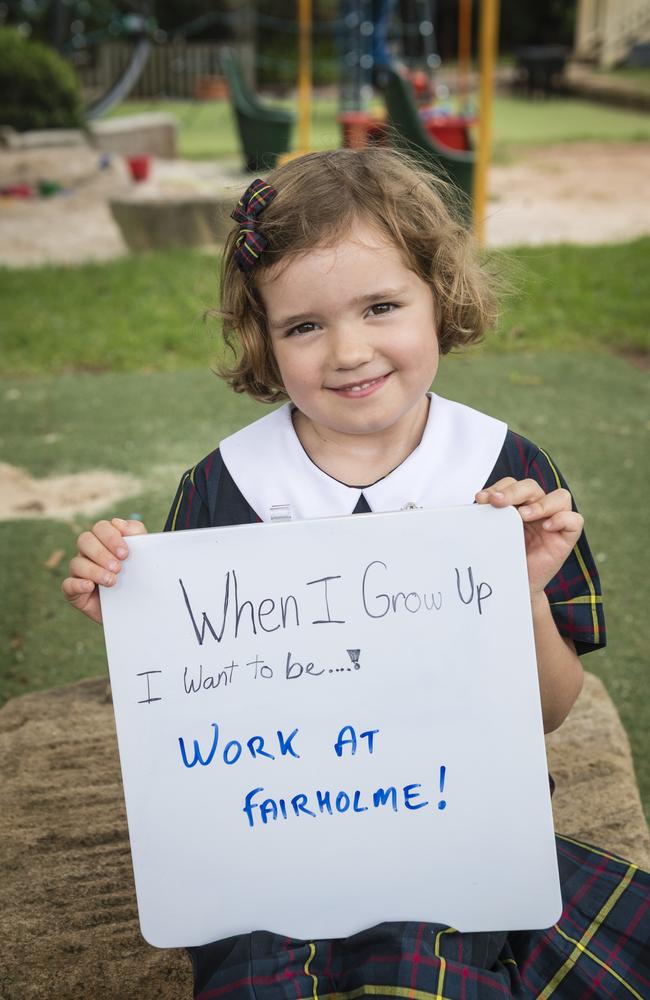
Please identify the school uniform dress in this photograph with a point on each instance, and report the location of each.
(600, 946)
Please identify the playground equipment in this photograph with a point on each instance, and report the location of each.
(265, 132)
(363, 31)
(403, 113)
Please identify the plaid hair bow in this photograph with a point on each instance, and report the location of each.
(250, 242)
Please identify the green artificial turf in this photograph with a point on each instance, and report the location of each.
(145, 312)
(589, 411)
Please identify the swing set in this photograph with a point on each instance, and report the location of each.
(443, 139)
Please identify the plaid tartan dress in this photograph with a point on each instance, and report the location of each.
(600, 946)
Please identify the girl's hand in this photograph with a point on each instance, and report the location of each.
(99, 559)
(551, 527)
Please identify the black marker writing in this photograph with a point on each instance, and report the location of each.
(483, 590)
(329, 620)
(240, 614)
(148, 699)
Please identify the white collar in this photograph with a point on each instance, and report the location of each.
(458, 450)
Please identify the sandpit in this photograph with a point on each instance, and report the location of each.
(61, 497)
(588, 192)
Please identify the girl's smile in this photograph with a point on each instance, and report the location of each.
(360, 389)
(354, 335)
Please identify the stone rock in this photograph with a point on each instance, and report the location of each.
(596, 797)
(68, 923)
(152, 133)
(155, 223)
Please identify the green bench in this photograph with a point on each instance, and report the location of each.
(264, 131)
(410, 133)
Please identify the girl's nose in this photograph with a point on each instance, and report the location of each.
(350, 347)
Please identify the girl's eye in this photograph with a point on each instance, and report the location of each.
(301, 328)
(380, 308)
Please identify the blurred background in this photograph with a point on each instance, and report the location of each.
(127, 132)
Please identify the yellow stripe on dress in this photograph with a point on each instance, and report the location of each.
(599, 961)
(188, 475)
(404, 992)
(443, 963)
(596, 850)
(580, 946)
(308, 972)
(592, 599)
(577, 600)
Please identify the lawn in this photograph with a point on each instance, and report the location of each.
(146, 312)
(147, 396)
(206, 130)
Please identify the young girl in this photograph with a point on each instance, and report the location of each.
(346, 277)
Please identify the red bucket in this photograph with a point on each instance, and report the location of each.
(139, 167)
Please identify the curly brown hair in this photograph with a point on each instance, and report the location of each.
(319, 197)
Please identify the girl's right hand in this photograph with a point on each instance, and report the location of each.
(99, 559)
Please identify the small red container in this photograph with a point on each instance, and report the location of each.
(18, 191)
(451, 131)
(139, 167)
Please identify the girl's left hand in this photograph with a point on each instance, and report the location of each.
(551, 528)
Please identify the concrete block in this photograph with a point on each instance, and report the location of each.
(133, 135)
(155, 223)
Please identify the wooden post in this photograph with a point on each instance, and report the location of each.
(488, 45)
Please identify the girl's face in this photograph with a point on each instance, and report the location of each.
(353, 332)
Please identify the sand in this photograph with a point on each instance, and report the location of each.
(583, 193)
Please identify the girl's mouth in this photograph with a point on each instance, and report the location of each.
(357, 390)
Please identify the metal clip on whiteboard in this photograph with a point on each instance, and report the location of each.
(281, 512)
(411, 505)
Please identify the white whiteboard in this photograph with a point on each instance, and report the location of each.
(413, 628)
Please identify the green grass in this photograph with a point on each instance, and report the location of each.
(639, 76)
(145, 312)
(589, 411)
(137, 312)
(207, 131)
(519, 122)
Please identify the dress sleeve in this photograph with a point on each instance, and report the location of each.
(189, 508)
(208, 497)
(574, 594)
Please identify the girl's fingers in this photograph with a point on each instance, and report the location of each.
(495, 490)
(129, 527)
(97, 563)
(83, 595)
(74, 587)
(511, 492)
(88, 569)
(103, 545)
(566, 520)
(549, 504)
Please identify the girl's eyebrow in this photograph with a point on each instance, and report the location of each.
(359, 300)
